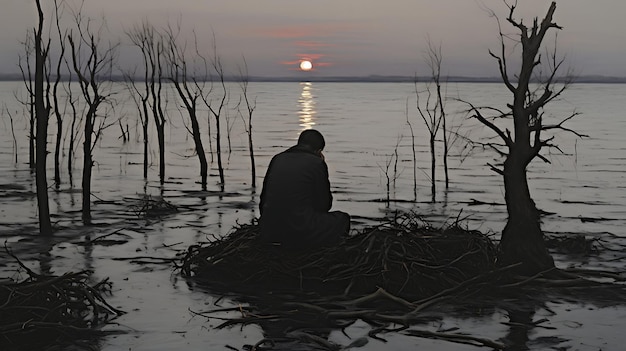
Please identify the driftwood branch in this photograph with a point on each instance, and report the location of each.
(42, 310)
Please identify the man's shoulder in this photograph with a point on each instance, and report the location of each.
(294, 157)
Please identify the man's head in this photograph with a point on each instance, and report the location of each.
(312, 140)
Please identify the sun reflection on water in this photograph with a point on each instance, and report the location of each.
(306, 103)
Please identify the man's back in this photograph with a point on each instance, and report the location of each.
(296, 198)
(296, 179)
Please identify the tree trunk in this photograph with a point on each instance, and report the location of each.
(86, 185)
(433, 161)
(57, 152)
(195, 130)
(444, 127)
(42, 112)
(145, 138)
(251, 148)
(161, 140)
(57, 111)
(87, 166)
(522, 237)
(70, 148)
(45, 226)
(218, 143)
(31, 134)
(159, 118)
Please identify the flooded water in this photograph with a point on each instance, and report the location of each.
(582, 189)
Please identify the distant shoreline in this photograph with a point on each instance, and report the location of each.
(366, 79)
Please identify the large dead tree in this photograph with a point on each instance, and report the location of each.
(532, 88)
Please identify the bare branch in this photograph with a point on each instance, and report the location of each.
(561, 127)
(478, 115)
(495, 169)
(502, 65)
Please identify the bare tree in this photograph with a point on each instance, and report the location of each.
(189, 90)
(431, 108)
(141, 96)
(92, 61)
(434, 59)
(55, 96)
(391, 173)
(155, 54)
(522, 238)
(250, 106)
(429, 111)
(413, 151)
(15, 148)
(150, 101)
(216, 108)
(42, 114)
(73, 131)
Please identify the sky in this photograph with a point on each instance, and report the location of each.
(349, 37)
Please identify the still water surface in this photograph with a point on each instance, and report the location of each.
(582, 190)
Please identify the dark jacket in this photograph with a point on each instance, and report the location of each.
(295, 201)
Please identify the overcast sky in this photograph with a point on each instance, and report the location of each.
(351, 37)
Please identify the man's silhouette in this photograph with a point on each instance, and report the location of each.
(296, 198)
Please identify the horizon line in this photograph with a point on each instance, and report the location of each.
(360, 79)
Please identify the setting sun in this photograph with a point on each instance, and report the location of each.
(306, 65)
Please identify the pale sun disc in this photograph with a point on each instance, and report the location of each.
(306, 65)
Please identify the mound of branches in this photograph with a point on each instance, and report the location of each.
(153, 207)
(385, 275)
(390, 276)
(405, 257)
(45, 310)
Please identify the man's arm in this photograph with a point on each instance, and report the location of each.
(263, 198)
(324, 196)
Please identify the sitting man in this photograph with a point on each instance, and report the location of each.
(296, 198)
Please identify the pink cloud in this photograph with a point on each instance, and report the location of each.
(313, 42)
